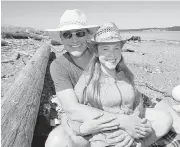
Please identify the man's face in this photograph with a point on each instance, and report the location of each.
(74, 41)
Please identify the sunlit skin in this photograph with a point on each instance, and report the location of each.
(109, 55)
(76, 46)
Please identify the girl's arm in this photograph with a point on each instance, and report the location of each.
(139, 111)
(138, 104)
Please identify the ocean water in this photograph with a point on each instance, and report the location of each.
(145, 35)
(155, 35)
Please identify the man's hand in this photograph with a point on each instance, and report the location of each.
(98, 124)
(120, 138)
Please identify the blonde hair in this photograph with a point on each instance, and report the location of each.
(91, 93)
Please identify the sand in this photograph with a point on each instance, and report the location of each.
(155, 64)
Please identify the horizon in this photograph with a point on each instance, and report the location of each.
(131, 14)
(119, 29)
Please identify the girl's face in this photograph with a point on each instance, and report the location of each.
(109, 54)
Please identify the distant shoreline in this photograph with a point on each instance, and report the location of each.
(174, 28)
(148, 34)
(155, 35)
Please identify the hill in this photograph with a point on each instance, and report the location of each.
(174, 28)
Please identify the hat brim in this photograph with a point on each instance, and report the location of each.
(55, 33)
(108, 41)
(74, 27)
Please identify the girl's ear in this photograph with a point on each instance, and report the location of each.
(122, 43)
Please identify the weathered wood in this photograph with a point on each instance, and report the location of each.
(12, 59)
(15, 35)
(20, 104)
(54, 42)
(35, 36)
(7, 61)
(4, 43)
(24, 53)
(20, 35)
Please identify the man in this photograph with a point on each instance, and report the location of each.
(65, 71)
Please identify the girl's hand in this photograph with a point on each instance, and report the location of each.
(120, 138)
(144, 129)
(98, 124)
(129, 124)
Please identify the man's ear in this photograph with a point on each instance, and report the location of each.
(95, 50)
(60, 38)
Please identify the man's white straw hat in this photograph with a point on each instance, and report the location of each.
(72, 20)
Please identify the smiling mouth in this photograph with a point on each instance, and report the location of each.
(112, 61)
(76, 45)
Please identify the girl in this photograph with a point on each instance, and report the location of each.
(108, 84)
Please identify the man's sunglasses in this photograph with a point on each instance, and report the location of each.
(68, 35)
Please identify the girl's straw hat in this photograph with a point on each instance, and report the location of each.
(72, 20)
(108, 32)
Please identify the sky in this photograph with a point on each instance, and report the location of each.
(125, 14)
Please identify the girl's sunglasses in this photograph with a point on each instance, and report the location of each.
(68, 35)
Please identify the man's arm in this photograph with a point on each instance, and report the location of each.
(77, 111)
(65, 93)
(81, 112)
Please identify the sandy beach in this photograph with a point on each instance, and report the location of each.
(155, 64)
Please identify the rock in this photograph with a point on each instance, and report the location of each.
(148, 70)
(128, 50)
(135, 38)
(157, 70)
(176, 93)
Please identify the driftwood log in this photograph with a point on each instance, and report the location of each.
(20, 104)
(35, 37)
(54, 42)
(15, 35)
(20, 35)
(4, 43)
